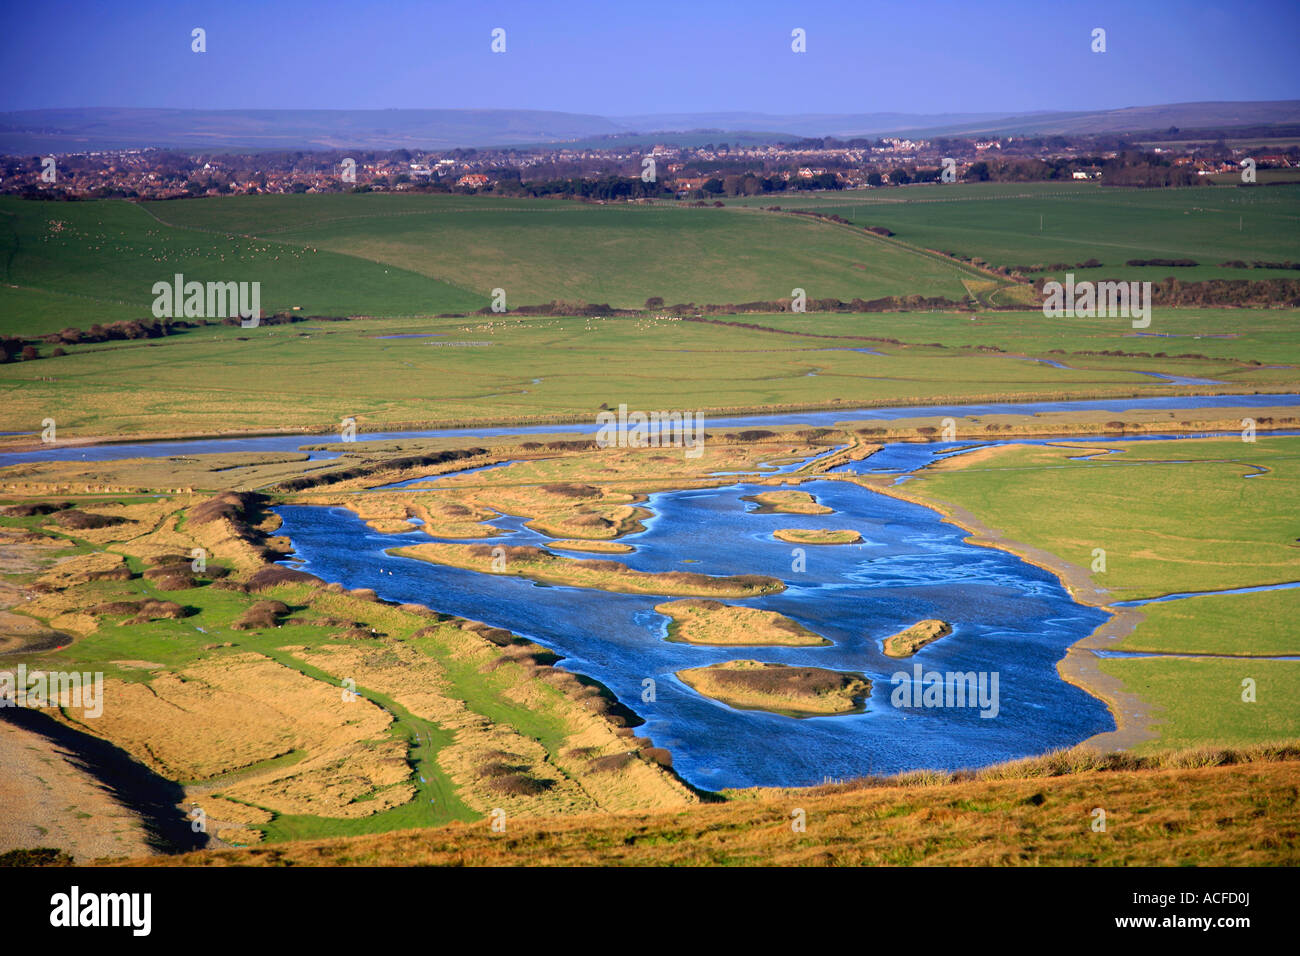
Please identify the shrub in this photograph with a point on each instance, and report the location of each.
(610, 764)
(37, 856)
(159, 610)
(79, 520)
(570, 490)
(28, 510)
(274, 574)
(263, 614)
(658, 755)
(174, 582)
(520, 785)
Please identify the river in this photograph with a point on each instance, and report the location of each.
(1009, 618)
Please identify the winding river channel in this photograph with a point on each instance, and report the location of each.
(1009, 618)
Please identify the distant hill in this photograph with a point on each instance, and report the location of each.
(1128, 119)
(78, 130)
(806, 124)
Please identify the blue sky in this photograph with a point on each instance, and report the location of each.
(617, 58)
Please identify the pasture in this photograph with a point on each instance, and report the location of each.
(1015, 224)
(1171, 517)
(509, 369)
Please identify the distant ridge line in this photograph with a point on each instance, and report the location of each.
(27, 132)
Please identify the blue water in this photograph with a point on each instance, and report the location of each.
(909, 456)
(1171, 379)
(816, 419)
(1186, 594)
(1180, 379)
(1009, 617)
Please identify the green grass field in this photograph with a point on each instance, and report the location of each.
(1257, 624)
(1200, 701)
(620, 254)
(376, 254)
(310, 375)
(78, 263)
(1266, 336)
(1045, 223)
(1172, 517)
(73, 264)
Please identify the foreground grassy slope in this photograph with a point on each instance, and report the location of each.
(1044, 223)
(1230, 815)
(620, 254)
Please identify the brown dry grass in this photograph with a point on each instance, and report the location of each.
(907, 642)
(696, 621)
(795, 691)
(386, 512)
(420, 683)
(1238, 814)
(788, 502)
(594, 494)
(235, 471)
(236, 711)
(1136, 421)
(539, 565)
(594, 547)
(817, 536)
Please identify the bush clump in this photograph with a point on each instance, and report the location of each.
(275, 574)
(519, 785)
(263, 614)
(81, 520)
(36, 856)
